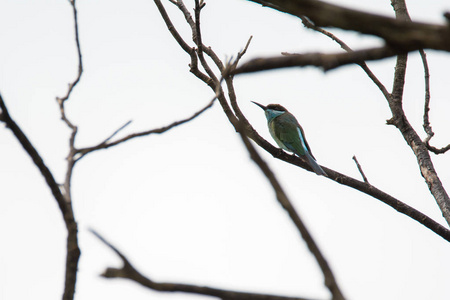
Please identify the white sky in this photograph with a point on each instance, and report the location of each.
(189, 206)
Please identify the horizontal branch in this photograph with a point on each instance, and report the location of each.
(129, 272)
(401, 34)
(324, 61)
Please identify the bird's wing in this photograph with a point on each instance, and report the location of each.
(291, 134)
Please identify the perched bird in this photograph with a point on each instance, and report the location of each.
(288, 133)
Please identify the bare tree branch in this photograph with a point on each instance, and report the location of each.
(324, 61)
(330, 281)
(127, 271)
(426, 118)
(400, 121)
(438, 150)
(191, 51)
(215, 86)
(402, 13)
(398, 33)
(307, 23)
(360, 169)
(107, 144)
(233, 117)
(80, 61)
(34, 155)
(198, 40)
(73, 251)
(356, 184)
(401, 36)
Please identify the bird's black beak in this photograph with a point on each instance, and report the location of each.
(260, 105)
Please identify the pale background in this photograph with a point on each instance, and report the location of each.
(189, 206)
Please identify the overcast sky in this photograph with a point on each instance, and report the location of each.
(190, 206)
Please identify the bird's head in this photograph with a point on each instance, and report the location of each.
(272, 110)
(273, 107)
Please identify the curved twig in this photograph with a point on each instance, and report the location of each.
(107, 144)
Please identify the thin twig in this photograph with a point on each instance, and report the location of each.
(107, 144)
(307, 23)
(360, 169)
(189, 50)
(426, 109)
(426, 117)
(127, 271)
(197, 36)
(116, 132)
(333, 175)
(79, 57)
(217, 88)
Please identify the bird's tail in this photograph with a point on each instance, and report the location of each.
(313, 164)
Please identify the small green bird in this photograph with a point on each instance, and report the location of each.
(288, 134)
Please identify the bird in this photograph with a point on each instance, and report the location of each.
(288, 134)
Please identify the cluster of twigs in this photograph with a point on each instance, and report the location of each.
(401, 36)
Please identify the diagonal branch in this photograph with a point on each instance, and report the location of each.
(107, 144)
(361, 186)
(360, 169)
(34, 155)
(307, 23)
(330, 281)
(127, 271)
(73, 251)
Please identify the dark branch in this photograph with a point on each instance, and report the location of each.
(321, 60)
(360, 169)
(400, 121)
(129, 272)
(438, 150)
(34, 155)
(426, 117)
(106, 144)
(80, 61)
(340, 178)
(190, 50)
(398, 33)
(356, 184)
(426, 110)
(307, 23)
(330, 281)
